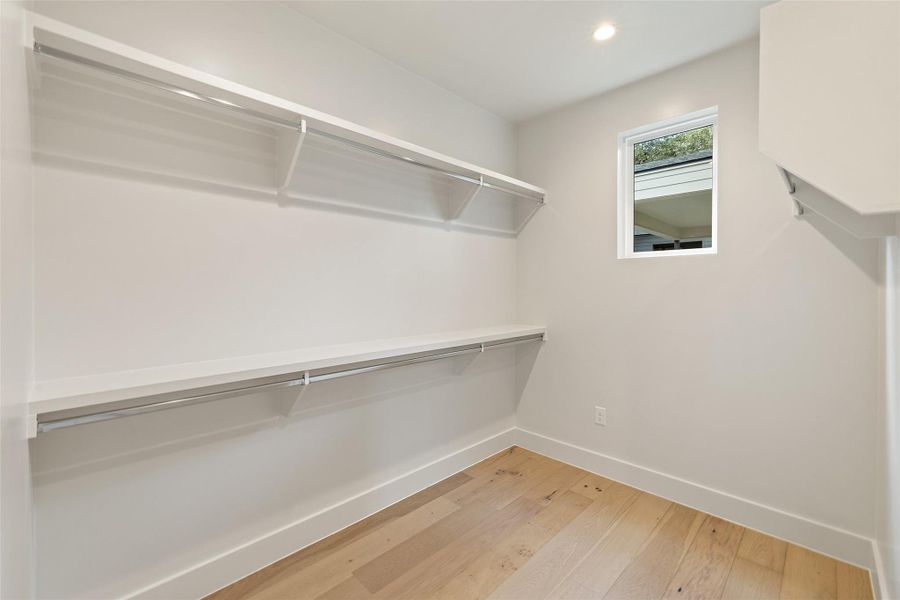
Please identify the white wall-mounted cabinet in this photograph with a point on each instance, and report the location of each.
(829, 108)
(110, 106)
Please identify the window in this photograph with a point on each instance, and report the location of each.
(667, 187)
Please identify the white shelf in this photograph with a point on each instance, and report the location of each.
(842, 169)
(92, 92)
(807, 197)
(81, 394)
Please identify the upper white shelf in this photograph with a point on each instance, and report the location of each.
(829, 113)
(89, 394)
(100, 101)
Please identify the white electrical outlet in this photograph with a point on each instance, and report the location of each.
(600, 416)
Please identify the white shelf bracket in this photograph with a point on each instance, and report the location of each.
(290, 404)
(467, 196)
(463, 362)
(527, 219)
(288, 145)
(792, 189)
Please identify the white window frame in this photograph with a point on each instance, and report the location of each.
(625, 209)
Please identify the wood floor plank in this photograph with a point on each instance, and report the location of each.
(614, 551)
(383, 568)
(558, 557)
(331, 570)
(483, 576)
(323, 548)
(650, 572)
(853, 583)
(485, 466)
(558, 481)
(504, 486)
(348, 589)
(559, 512)
(532, 473)
(808, 575)
(503, 473)
(591, 486)
(451, 561)
(763, 550)
(708, 561)
(750, 581)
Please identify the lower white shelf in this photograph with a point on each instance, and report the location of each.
(73, 401)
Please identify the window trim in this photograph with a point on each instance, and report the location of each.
(625, 187)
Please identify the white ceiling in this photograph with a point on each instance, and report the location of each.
(519, 59)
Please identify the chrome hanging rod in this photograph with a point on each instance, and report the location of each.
(412, 161)
(161, 85)
(279, 122)
(49, 423)
(94, 417)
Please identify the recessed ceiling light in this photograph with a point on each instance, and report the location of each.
(604, 32)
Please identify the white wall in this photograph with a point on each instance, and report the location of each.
(134, 271)
(888, 531)
(753, 372)
(16, 551)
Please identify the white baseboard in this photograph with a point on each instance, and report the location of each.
(213, 574)
(840, 544)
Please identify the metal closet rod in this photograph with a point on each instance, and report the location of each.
(304, 380)
(273, 120)
(411, 161)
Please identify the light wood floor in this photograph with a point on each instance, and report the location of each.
(519, 526)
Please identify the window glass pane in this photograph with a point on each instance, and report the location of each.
(673, 191)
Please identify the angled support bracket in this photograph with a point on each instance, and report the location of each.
(291, 402)
(463, 362)
(530, 215)
(466, 199)
(288, 145)
(792, 189)
(35, 75)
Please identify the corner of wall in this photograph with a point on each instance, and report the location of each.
(888, 434)
(16, 311)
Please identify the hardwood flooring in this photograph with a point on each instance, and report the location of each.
(521, 526)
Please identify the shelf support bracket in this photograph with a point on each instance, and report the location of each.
(290, 404)
(288, 145)
(466, 199)
(530, 215)
(463, 362)
(792, 190)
